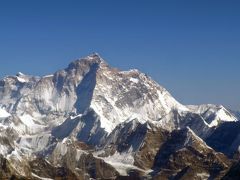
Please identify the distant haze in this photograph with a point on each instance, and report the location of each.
(190, 48)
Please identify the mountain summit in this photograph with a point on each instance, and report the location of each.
(90, 120)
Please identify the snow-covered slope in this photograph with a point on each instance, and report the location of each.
(119, 96)
(4, 114)
(213, 114)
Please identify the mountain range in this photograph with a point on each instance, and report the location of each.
(92, 121)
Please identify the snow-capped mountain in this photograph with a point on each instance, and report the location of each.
(214, 114)
(90, 120)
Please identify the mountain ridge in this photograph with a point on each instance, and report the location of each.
(91, 110)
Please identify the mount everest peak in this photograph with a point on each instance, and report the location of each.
(120, 119)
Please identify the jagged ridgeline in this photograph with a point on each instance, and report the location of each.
(94, 121)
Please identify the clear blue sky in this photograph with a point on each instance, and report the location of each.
(190, 47)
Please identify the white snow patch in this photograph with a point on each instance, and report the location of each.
(22, 80)
(61, 148)
(222, 113)
(125, 158)
(41, 178)
(48, 76)
(20, 74)
(74, 117)
(136, 118)
(122, 162)
(134, 80)
(4, 114)
(122, 168)
(3, 149)
(27, 120)
(203, 175)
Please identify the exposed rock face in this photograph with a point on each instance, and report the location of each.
(186, 156)
(94, 121)
(5, 169)
(225, 138)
